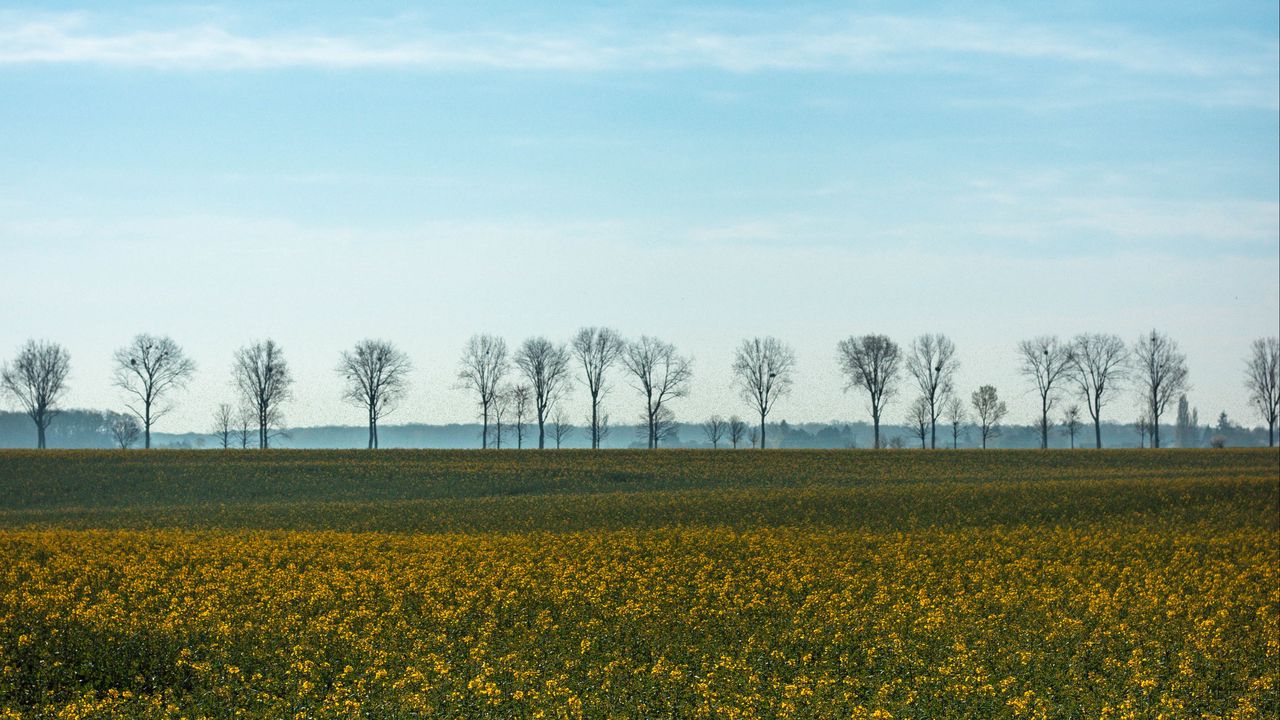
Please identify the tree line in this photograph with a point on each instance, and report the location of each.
(528, 384)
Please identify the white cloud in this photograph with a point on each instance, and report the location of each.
(863, 44)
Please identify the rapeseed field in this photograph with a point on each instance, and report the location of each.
(632, 585)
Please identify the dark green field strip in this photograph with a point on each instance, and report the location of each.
(1221, 502)
(52, 480)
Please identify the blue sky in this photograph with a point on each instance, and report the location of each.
(322, 172)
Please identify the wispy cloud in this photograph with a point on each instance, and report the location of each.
(858, 44)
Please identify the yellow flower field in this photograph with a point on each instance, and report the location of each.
(1138, 614)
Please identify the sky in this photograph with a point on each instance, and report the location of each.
(319, 173)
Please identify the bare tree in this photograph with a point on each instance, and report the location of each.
(265, 383)
(665, 426)
(1186, 429)
(377, 377)
(502, 401)
(871, 363)
(990, 410)
(921, 420)
(1046, 361)
(1098, 362)
(560, 428)
(737, 430)
(546, 366)
(956, 417)
(603, 428)
(1262, 378)
(714, 429)
(763, 370)
(245, 421)
(596, 350)
(37, 380)
(521, 396)
(224, 424)
(147, 369)
(660, 374)
(1071, 423)
(1142, 425)
(933, 364)
(124, 430)
(1162, 376)
(484, 364)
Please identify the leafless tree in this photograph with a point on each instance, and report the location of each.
(1071, 423)
(546, 366)
(245, 426)
(596, 349)
(265, 383)
(990, 410)
(502, 401)
(763, 370)
(714, 429)
(603, 427)
(664, 426)
(147, 369)
(660, 375)
(224, 424)
(956, 417)
(521, 397)
(1142, 425)
(921, 420)
(484, 364)
(245, 422)
(1162, 376)
(125, 430)
(1098, 363)
(1046, 361)
(737, 430)
(755, 435)
(1186, 428)
(871, 363)
(1263, 381)
(933, 364)
(377, 377)
(37, 380)
(560, 428)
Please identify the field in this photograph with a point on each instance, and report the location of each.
(802, 584)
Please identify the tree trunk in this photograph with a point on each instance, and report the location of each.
(762, 443)
(875, 422)
(1097, 431)
(933, 429)
(484, 428)
(542, 433)
(595, 424)
(1044, 426)
(40, 434)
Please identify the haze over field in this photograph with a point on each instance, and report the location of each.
(318, 174)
